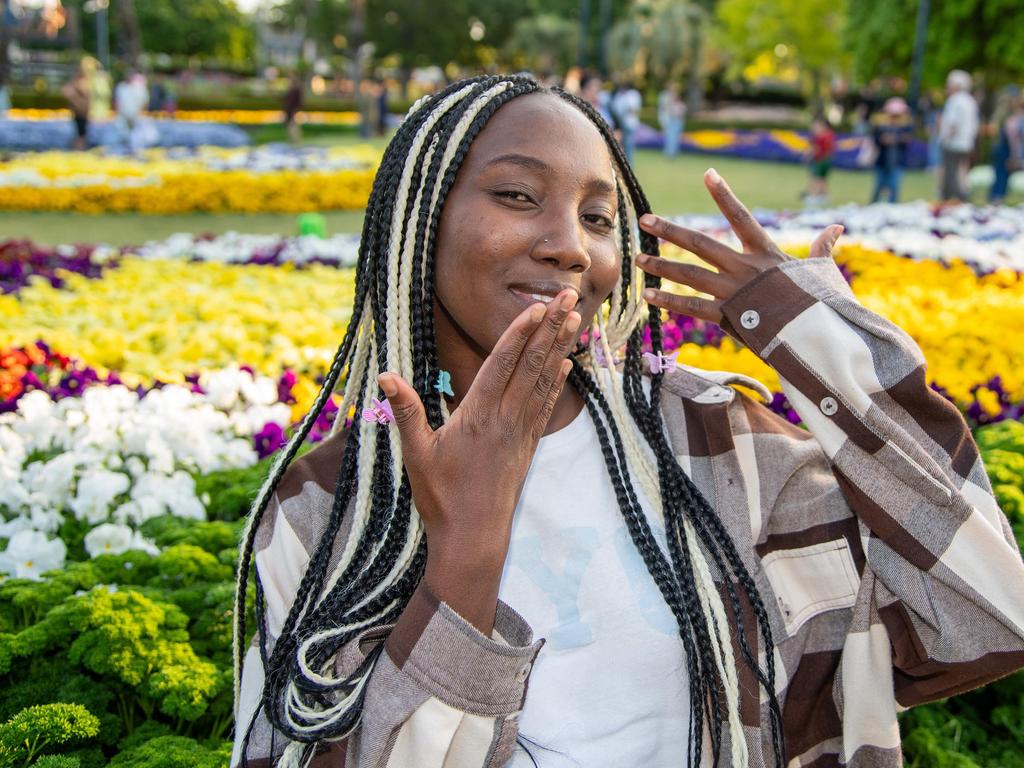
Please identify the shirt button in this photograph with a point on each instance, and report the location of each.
(750, 319)
(523, 673)
(829, 406)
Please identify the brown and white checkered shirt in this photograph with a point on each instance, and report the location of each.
(890, 575)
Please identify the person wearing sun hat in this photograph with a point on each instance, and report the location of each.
(891, 130)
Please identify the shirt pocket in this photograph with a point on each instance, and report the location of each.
(811, 580)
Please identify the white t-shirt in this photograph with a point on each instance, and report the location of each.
(959, 126)
(610, 686)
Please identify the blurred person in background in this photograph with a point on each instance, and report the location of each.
(822, 151)
(131, 96)
(891, 130)
(1008, 150)
(671, 118)
(291, 107)
(79, 99)
(592, 92)
(958, 130)
(625, 108)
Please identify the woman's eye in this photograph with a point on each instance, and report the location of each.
(598, 219)
(514, 195)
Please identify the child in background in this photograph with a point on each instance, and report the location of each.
(823, 147)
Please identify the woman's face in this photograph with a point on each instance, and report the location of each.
(532, 212)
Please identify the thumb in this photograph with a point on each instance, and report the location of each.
(410, 418)
(826, 241)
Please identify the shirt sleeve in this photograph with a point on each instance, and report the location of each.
(940, 596)
(441, 693)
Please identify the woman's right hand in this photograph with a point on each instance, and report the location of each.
(467, 475)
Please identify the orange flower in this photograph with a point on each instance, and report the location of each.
(10, 386)
(35, 355)
(13, 358)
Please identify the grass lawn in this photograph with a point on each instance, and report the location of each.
(673, 187)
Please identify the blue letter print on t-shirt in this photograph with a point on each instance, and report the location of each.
(649, 601)
(562, 586)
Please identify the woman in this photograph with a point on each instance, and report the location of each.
(709, 580)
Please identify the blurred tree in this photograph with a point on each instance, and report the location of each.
(976, 35)
(807, 32)
(656, 41)
(129, 37)
(179, 27)
(419, 33)
(544, 44)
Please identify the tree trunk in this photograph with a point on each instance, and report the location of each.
(5, 44)
(694, 92)
(129, 35)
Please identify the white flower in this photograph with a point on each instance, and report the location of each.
(13, 526)
(108, 539)
(30, 554)
(261, 390)
(96, 493)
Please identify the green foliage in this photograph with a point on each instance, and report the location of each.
(232, 491)
(174, 752)
(976, 35)
(39, 728)
(810, 30)
(1002, 448)
(182, 27)
(57, 761)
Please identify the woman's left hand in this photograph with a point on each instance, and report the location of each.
(734, 268)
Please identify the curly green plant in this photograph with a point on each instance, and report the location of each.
(36, 729)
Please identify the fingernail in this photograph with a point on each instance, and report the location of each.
(648, 219)
(569, 300)
(537, 312)
(387, 385)
(712, 176)
(649, 294)
(642, 258)
(572, 322)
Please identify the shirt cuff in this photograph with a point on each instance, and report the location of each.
(759, 310)
(456, 663)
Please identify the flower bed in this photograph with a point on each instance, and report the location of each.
(778, 146)
(269, 179)
(132, 443)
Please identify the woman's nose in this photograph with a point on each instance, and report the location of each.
(563, 245)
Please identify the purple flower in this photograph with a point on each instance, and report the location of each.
(268, 439)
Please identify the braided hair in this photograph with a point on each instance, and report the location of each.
(382, 559)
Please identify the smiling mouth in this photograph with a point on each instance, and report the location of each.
(546, 297)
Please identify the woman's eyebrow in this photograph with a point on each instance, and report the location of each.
(537, 165)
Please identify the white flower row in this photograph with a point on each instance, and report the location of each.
(113, 460)
(234, 248)
(987, 237)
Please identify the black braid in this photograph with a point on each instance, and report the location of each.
(387, 531)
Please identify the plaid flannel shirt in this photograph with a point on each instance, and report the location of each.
(889, 573)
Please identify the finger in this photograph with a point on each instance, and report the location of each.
(694, 306)
(490, 382)
(826, 241)
(703, 280)
(410, 417)
(532, 361)
(712, 251)
(552, 366)
(743, 223)
(543, 414)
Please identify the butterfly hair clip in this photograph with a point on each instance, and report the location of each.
(444, 383)
(660, 363)
(380, 412)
